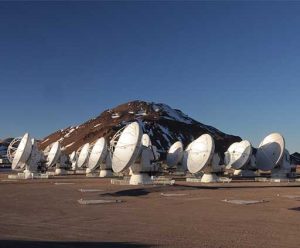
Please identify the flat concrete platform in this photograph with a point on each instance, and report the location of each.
(46, 213)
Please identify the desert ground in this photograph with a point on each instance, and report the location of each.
(46, 213)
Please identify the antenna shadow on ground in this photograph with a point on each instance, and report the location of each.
(67, 244)
(295, 209)
(146, 191)
(240, 187)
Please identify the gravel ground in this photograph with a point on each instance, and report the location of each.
(42, 213)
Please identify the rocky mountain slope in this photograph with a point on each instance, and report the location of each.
(163, 124)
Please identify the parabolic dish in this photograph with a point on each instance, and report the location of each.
(201, 153)
(83, 155)
(98, 153)
(23, 151)
(185, 155)
(53, 155)
(175, 154)
(146, 140)
(270, 151)
(127, 148)
(73, 156)
(239, 154)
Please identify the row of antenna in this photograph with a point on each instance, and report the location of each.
(131, 150)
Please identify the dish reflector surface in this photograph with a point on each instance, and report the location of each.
(239, 154)
(98, 153)
(53, 155)
(23, 151)
(201, 152)
(185, 155)
(127, 148)
(270, 151)
(175, 153)
(146, 140)
(73, 155)
(83, 155)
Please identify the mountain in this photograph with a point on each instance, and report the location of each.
(163, 124)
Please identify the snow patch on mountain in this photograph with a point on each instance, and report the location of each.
(163, 124)
(172, 114)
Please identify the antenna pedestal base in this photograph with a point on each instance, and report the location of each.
(90, 173)
(209, 178)
(244, 173)
(28, 175)
(59, 171)
(80, 171)
(106, 173)
(280, 173)
(140, 178)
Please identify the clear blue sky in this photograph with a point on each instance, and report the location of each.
(233, 65)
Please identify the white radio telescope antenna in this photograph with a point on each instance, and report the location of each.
(98, 157)
(73, 159)
(239, 157)
(175, 154)
(270, 151)
(146, 140)
(22, 153)
(12, 148)
(272, 155)
(201, 157)
(28, 157)
(53, 155)
(57, 158)
(185, 156)
(128, 151)
(98, 154)
(201, 153)
(72, 156)
(83, 156)
(127, 148)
